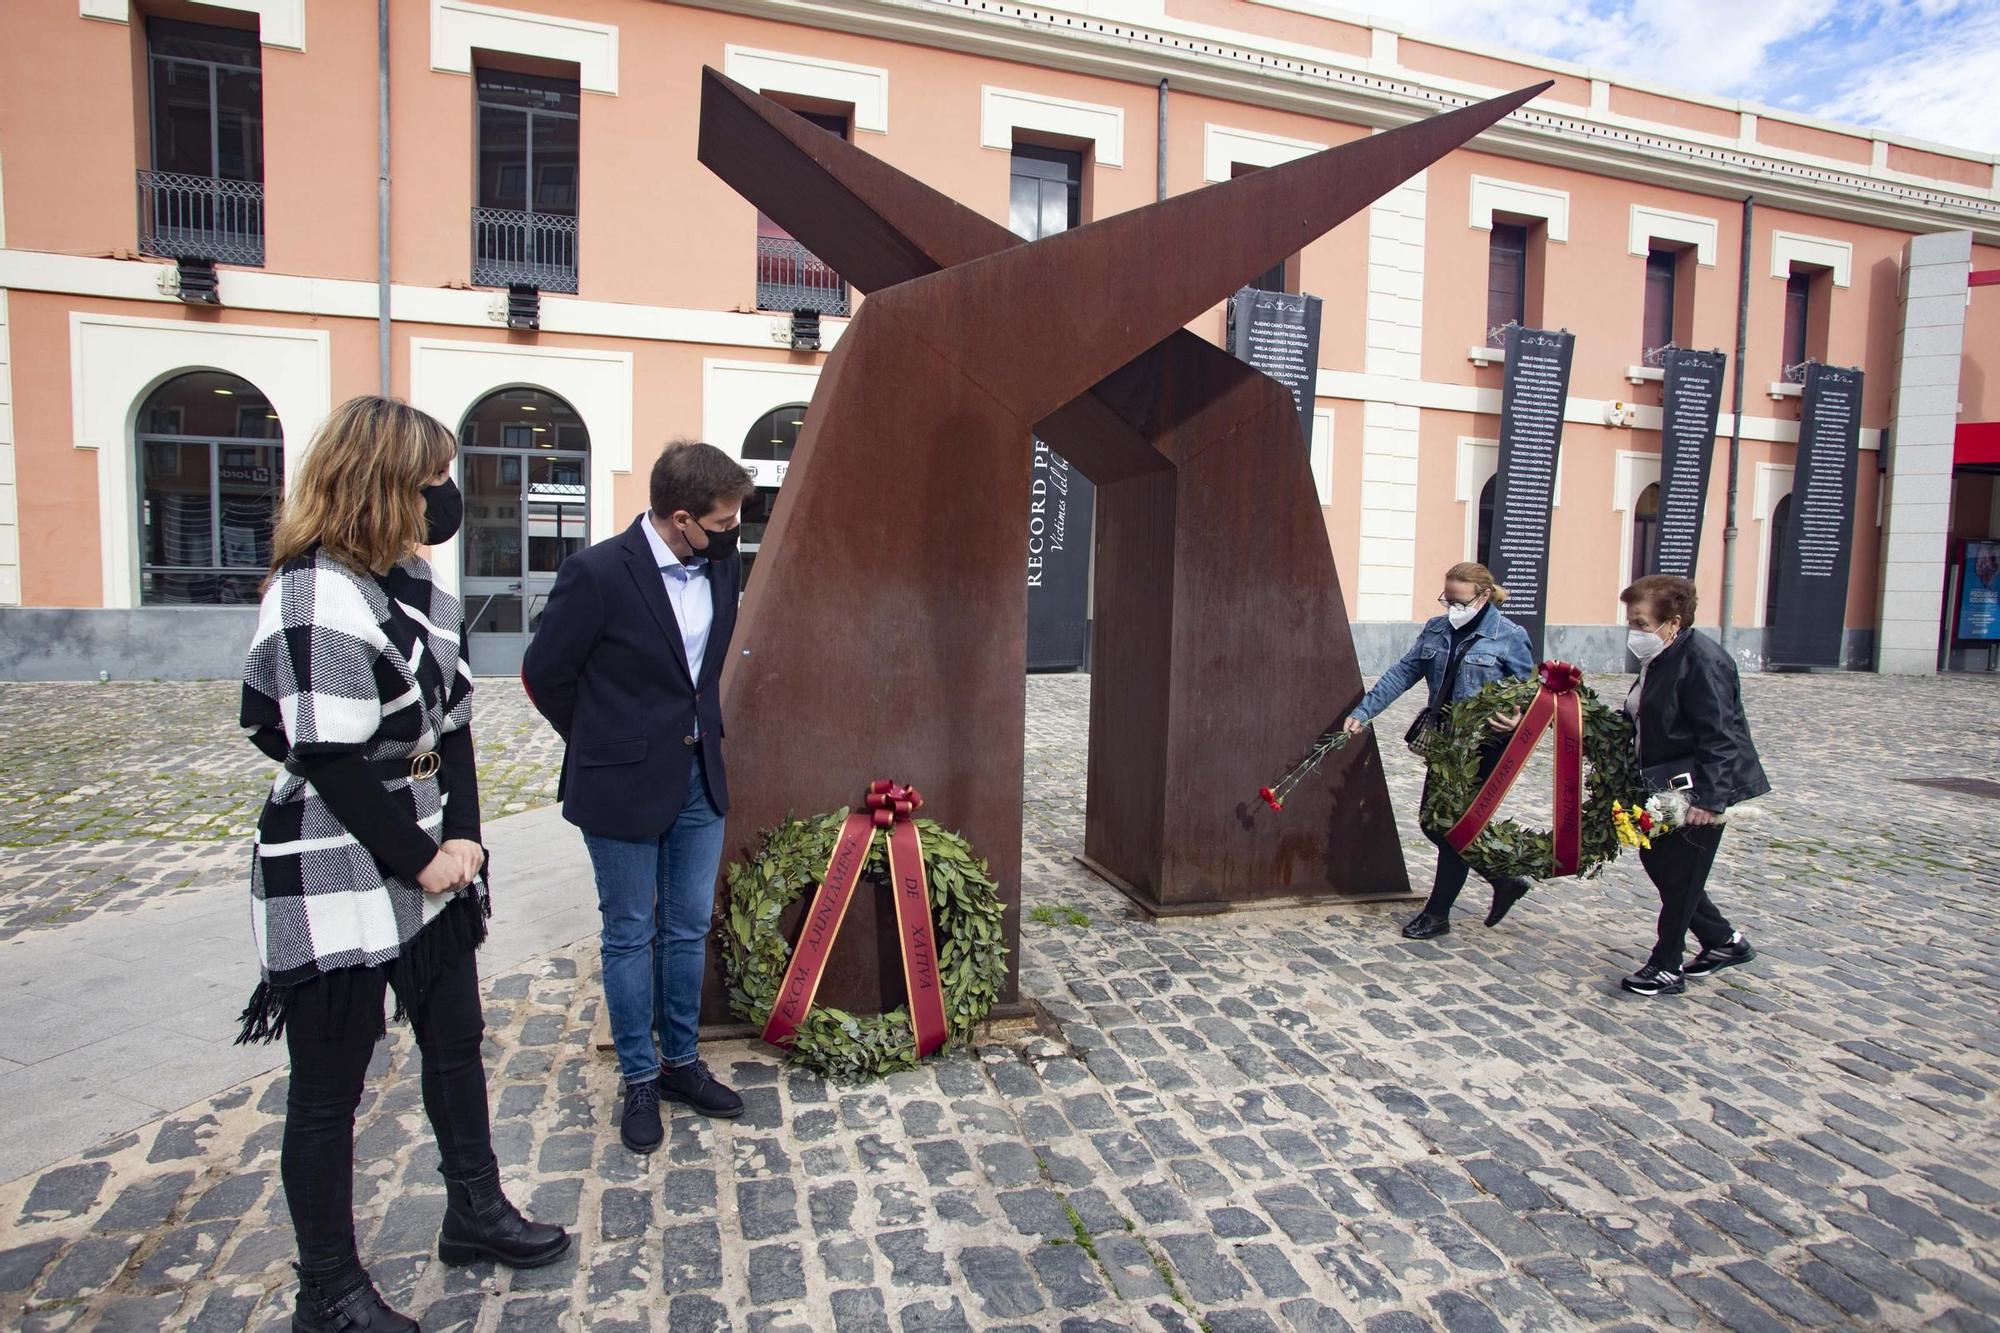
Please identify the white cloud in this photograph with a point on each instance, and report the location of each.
(1926, 68)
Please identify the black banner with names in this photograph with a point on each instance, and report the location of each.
(1815, 551)
(1532, 394)
(1690, 402)
(1061, 502)
(1278, 333)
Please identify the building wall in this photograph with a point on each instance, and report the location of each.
(662, 339)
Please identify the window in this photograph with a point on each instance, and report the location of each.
(204, 196)
(524, 224)
(1645, 531)
(789, 276)
(1659, 314)
(1780, 516)
(1276, 280)
(1045, 191)
(1483, 543)
(1506, 278)
(1798, 302)
(211, 471)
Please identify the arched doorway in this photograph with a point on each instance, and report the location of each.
(1645, 531)
(1775, 529)
(211, 472)
(524, 465)
(767, 452)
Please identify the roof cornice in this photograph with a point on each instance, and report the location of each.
(1357, 95)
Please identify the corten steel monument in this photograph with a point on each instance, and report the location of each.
(885, 631)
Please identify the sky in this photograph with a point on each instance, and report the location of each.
(1925, 68)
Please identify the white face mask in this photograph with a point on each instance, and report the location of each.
(1644, 644)
(1462, 615)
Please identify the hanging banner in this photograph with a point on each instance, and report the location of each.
(1690, 401)
(1815, 550)
(1060, 504)
(1278, 333)
(1532, 393)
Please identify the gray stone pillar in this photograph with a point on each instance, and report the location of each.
(1923, 418)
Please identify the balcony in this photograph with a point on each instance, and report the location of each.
(791, 277)
(515, 249)
(201, 217)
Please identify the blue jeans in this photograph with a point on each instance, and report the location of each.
(656, 898)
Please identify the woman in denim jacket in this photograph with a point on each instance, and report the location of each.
(1484, 646)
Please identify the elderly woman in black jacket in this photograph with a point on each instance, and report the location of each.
(1691, 735)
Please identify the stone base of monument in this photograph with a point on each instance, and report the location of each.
(1279, 901)
(1007, 1022)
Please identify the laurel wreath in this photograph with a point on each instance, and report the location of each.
(1504, 847)
(967, 918)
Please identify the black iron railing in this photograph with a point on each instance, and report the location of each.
(201, 217)
(512, 248)
(791, 277)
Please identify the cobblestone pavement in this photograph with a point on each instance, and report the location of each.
(113, 794)
(1272, 1120)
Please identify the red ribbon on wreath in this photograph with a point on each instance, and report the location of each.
(1557, 701)
(889, 807)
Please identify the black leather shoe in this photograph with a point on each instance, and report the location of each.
(346, 1303)
(639, 1124)
(692, 1085)
(1737, 951)
(1506, 893)
(1424, 926)
(480, 1223)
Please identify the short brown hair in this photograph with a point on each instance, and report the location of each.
(1480, 577)
(697, 477)
(359, 493)
(1666, 597)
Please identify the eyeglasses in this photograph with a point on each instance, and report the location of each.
(1447, 603)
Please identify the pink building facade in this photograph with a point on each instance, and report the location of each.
(193, 271)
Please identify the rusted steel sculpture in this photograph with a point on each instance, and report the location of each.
(885, 631)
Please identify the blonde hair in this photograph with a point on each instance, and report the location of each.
(1480, 577)
(358, 494)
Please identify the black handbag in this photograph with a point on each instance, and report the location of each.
(1423, 731)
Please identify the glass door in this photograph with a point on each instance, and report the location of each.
(525, 513)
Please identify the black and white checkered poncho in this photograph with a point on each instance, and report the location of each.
(346, 663)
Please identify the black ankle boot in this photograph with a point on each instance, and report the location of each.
(346, 1302)
(479, 1223)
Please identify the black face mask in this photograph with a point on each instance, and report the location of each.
(444, 510)
(721, 545)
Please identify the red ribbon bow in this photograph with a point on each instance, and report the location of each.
(1556, 701)
(892, 802)
(890, 807)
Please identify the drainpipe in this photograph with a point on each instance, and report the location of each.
(382, 194)
(1736, 428)
(1160, 172)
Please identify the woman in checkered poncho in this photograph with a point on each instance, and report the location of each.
(368, 875)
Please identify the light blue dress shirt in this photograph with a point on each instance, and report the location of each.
(690, 591)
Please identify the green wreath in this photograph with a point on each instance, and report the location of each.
(966, 914)
(1504, 847)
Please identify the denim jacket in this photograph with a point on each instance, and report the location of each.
(1499, 651)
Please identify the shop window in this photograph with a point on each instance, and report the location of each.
(767, 451)
(1645, 530)
(211, 473)
(1482, 544)
(1780, 516)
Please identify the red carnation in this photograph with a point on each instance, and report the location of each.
(1645, 822)
(1270, 798)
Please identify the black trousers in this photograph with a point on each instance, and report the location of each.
(1452, 871)
(331, 1030)
(1679, 864)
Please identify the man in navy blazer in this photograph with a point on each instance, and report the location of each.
(627, 665)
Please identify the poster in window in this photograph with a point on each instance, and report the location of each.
(1979, 593)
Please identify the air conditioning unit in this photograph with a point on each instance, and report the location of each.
(805, 330)
(524, 307)
(197, 285)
